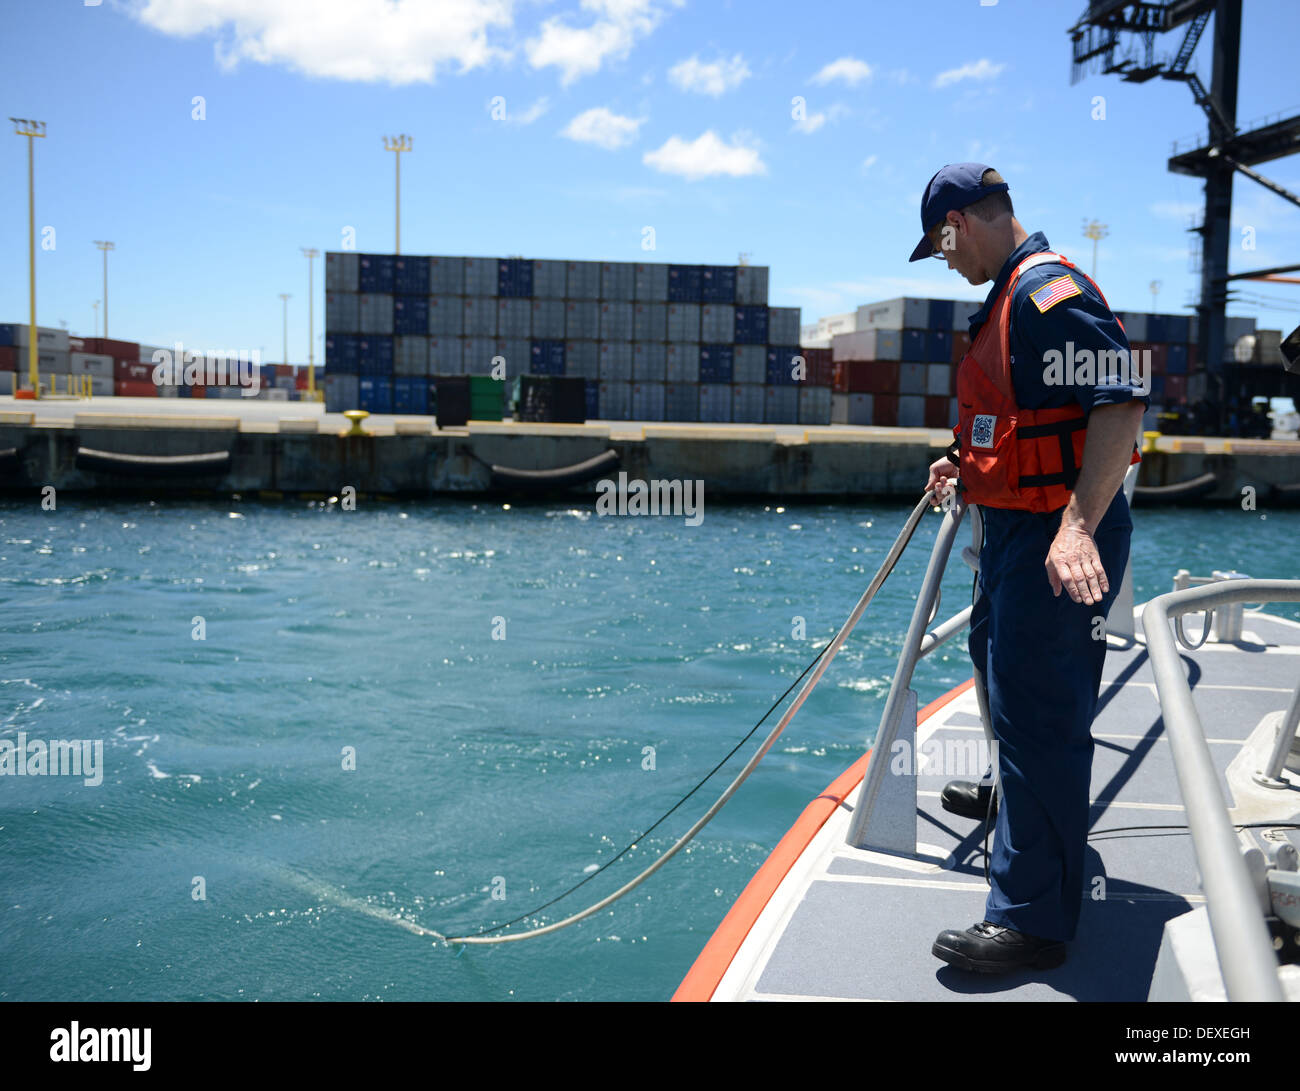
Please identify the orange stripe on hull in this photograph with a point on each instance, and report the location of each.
(704, 976)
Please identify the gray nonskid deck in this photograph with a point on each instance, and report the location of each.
(854, 925)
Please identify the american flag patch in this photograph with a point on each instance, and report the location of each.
(1051, 293)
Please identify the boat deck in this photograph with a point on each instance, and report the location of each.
(848, 924)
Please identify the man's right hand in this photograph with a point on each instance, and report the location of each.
(943, 479)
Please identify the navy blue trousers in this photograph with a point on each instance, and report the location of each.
(1042, 663)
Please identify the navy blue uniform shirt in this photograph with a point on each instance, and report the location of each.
(1082, 319)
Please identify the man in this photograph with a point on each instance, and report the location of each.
(1043, 450)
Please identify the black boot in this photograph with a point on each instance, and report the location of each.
(968, 799)
(991, 949)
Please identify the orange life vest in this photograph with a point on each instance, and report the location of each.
(1024, 459)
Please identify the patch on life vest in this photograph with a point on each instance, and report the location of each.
(1051, 293)
(981, 433)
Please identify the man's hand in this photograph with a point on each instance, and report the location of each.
(1074, 563)
(943, 479)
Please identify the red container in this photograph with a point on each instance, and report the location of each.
(198, 392)
(884, 410)
(960, 346)
(300, 378)
(873, 376)
(936, 411)
(1159, 355)
(77, 344)
(126, 351)
(820, 366)
(134, 388)
(8, 358)
(132, 372)
(1175, 389)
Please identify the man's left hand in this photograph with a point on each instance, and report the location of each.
(1074, 563)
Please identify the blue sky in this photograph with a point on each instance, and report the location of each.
(618, 115)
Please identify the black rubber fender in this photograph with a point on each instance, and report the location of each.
(579, 473)
(1191, 489)
(122, 465)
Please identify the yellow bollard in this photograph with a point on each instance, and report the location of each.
(1149, 442)
(356, 416)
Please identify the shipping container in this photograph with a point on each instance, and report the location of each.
(912, 378)
(781, 405)
(480, 276)
(751, 284)
(134, 388)
(582, 358)
(683, 322)
(717, 322)
(718, 284)
(410, 276)
(1134, 323)
(936, 412)
(87, 363)
(716, 363)
(515, 277)
(376, 274)
(815, 405)
(615, 361)
(48, 340)
(548, 279)
(649, 361)
(911, 411)
(616, 321)
(411, 315)
(783, 325)
(618, 281)
(749, 364)
(342, 272)
(104, 387)
(582, 281)
(581, 320)
(411, 395)
(782, 361)
(884, 410)
(479, 316)
(375, 394)
(375, 313)
(858, 345)
(938, 346)
(871, 376)
(342, 312)
(857, 409)
(682, 362)
(411, 355)
(446, 356)
(650, 322)
(940, 318)
(547, 319)
(547, 357)
(446, 316)
(751, 324)
(593, 398)
(341, 352)
(1157, 328)
(515, 353)
(820, 366)
(894, 314)
(477, 354)
(715, 403)
(960, 346)
(375, 356)
(747, 401)
(1235, 328)
(49, 363)
(615, 400)
(9, 358)
(514, 317)
(962, 312)
(108, 346)
(915, 349)
(1175, 389)
(650, 282)
(140, 373)
(648, 401)
(938, 380)
(446, 276)
(684, 284)
(1176, 359)
(681, 402)
(889, 345)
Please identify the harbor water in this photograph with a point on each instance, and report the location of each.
(325, 731)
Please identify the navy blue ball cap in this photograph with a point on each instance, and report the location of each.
(952, 188)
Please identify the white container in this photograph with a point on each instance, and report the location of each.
(616, 320)
(446, 276)
(682, 363)
(860, 345)
(89, 363)
(684, 322)
(582, 359)
(783, 325)
(649, 362)
(342, 272)
(375, 313)
(582, 320)
(616, 361)
(617, 281)
(895, 314)
(343, 312)
(747, 402)
(650, 321)
(650, 282)
(749, 364)
(938, 379)
(547, 319)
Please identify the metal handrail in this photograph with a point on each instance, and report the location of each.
(1241, 938)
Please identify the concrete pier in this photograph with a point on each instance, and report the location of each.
(279, 447)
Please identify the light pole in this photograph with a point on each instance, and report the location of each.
(286, 297)
(31, 130)
(310, 254)
(397, 145)
(1096, 232)
(1155, 291)
(106, 247)
(94, 308)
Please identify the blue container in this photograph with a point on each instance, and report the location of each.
(940, 316)
(376, 272)
(684, 284)
(184, 391)
(546, 358)
(411, 314)
(1179, 327)
(716, 363)
(410, 276)
(268, 375)
(7, 331)
(751, 324)
(212, 391)
(718, 283)
(938, 342)
(593, 399)
(780, 365)
(375, 395)
(1176, 359)
(914, 346)
(374, 356)
(341, 352)
(515, 277)
(1157, 385)
(1157, 328)
(410, 395)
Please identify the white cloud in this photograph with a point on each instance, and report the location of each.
(812, 122)
(983, 69)
(713, 78)
(869, 162)
(580, 51)
(398, 42)
(603, 128)
(849, 69)
(705, 156)
(527, 117)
